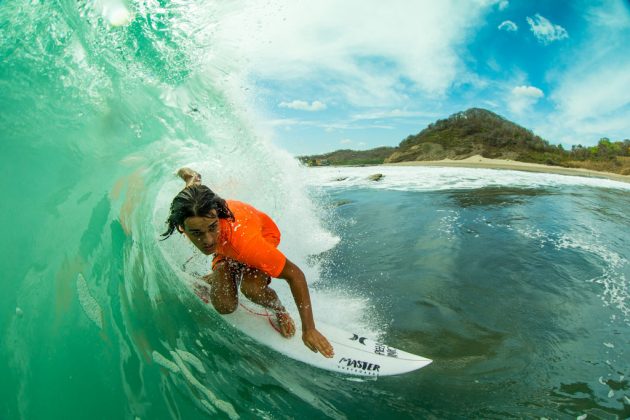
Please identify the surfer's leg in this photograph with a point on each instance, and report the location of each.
(189, 176)
(223, 291)
(255, 286)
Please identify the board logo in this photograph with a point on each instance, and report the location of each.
(359, 364)
(360, 339)
(383, 350)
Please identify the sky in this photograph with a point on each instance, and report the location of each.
(326, 75)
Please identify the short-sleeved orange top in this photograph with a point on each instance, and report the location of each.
(251, 239)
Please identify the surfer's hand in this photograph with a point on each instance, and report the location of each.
(315, 341)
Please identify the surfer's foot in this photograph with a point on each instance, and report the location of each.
(189, 176)
(286, 324)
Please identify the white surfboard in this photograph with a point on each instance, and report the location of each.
(355, 354)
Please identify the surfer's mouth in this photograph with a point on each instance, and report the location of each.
(208, 249)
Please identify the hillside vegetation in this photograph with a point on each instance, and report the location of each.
(350, 157)
(482, 132)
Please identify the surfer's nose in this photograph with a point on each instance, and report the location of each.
(208, 240)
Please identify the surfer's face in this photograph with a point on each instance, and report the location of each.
(203, 231)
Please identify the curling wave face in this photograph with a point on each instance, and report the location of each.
(102, 102)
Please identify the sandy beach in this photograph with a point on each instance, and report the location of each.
(479, 161)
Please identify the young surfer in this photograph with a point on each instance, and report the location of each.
(243, 241)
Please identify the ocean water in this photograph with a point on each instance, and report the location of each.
(515, 284)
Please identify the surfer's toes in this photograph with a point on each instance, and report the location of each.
(287, 326)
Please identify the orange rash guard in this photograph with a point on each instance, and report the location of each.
(251, 239)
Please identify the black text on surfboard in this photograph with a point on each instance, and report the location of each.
(383, 350)
(356, 365)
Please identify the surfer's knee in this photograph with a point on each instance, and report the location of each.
(225, 308)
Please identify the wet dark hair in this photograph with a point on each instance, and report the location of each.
(195, 200)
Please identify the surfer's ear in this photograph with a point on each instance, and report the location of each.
(180, 229)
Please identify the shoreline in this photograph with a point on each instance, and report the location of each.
(478, 161)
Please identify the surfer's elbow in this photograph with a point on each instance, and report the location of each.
(292, 273)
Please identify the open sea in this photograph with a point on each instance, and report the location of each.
(515, 284)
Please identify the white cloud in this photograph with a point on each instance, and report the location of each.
(613, 16)
(303, 105)
(545, 31)
(346, 141)
(590, 91)
(523, 97)
(528, 92)
(508, 26)
(504, 5)
(365, 56)
(394, 113)
(592, 100)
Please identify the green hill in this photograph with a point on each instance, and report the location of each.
(350, 157)
(474, 132)
(478, 131)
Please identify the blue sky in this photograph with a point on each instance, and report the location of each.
(327, 75)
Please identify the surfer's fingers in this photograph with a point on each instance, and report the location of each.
(325, 348)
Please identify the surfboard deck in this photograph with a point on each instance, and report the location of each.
(355, 354)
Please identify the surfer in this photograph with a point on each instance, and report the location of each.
(243, 241)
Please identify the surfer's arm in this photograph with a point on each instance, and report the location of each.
(299, 289)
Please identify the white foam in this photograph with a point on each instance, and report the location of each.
(88, 303)
(164, 362)
(423, 178)
(615, 288)
(209, 406)
(192, 360)
(114, 12)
